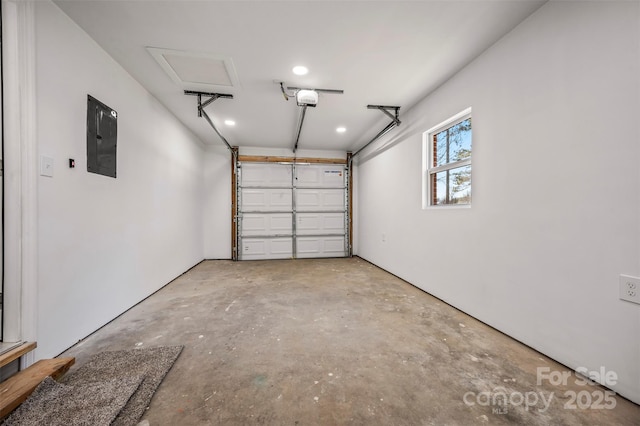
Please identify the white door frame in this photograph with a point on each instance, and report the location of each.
(20, 172)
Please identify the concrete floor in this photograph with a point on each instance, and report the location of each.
(336, 341)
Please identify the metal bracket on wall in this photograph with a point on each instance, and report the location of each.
(235, 224)
(202, 113)
(395, 122)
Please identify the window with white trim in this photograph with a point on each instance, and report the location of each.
(447, 150)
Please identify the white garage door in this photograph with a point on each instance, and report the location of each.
(292, 210)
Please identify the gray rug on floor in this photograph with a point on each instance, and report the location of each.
(53, 403)
(112, 388)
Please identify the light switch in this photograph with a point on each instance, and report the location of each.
(46, 166)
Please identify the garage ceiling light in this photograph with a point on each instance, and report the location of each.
(300, 70)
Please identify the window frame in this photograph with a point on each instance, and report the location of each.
(428, 168)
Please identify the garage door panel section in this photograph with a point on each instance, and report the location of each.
(313, 247)
(320, 176)
(265, 226)
(261, 224)
(320, 223)
(266, 200)
(266, 248)
(320, 199)
(266, 175)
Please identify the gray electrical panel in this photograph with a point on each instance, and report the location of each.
(102, 131)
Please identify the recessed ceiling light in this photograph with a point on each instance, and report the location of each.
(341, 129)
(300, 70)
(229, 122)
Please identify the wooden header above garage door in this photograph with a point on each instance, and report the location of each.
(272, 159)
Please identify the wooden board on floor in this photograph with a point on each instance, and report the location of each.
(16, 353)
(17, 388)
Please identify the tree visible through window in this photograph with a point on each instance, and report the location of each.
(449, 171)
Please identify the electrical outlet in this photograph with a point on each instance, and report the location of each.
(630, 288)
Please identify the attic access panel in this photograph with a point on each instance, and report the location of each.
(102, 131)
(196, 70)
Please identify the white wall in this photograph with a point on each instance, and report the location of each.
(217, 203)
(105, 244)
(556, 189)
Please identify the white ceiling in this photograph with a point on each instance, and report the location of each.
(378, 52)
